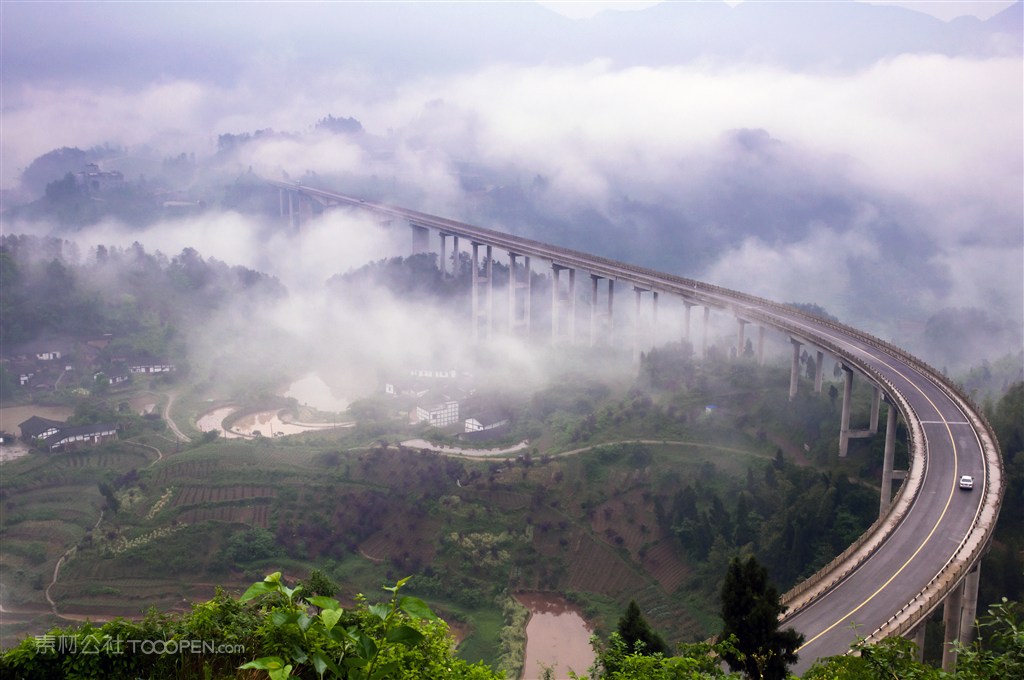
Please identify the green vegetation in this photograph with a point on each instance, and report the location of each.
(636, 633)
(285, 634)
(639, 488)
(751, 610)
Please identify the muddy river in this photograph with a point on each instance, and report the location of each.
(259, 424)
(557, 637)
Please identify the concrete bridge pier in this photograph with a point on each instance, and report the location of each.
(596, 315)
(741, 341)
(917, 637)
(969, 612)
(442, 261)
(959, 610)
(420, 239)
(292, 215)
(819, 365)
(760, 345)
(844, 422)
(876, 399)
(654, 319)
(704, 333)
(890, 449)
(640, 339)
(794, 369)
(558, 301)
(686, 320)
(951, 613)
(482, 313)
(518, 315)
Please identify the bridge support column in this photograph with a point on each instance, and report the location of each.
(876, 399)
(477, 279)
(794, 369)
(704, 333)
(556, 303)
(572, 307)
(890, 449)
(760, 345)
(596, 314)
(442, 263)
(970, 605)
(292, 224)
(844, 423)
(917, 637)
(611, 312)
(686, 320)
(741, 341)
(515, 285)
(951, 624)
(637, 340)
(819, 370)
(654, 319)
(420, 238)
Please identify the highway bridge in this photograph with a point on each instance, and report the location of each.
(925, 548)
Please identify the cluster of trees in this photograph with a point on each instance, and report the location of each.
(415, 277)
(793, 518)
(1003, 567)
(140, 298)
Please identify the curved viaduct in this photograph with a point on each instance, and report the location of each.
(925, 547)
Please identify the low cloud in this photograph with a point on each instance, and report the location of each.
(882, 192)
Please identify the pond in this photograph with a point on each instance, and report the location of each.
(557, 637)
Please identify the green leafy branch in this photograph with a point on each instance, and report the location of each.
(332, 641)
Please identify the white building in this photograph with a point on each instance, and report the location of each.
(437, 409)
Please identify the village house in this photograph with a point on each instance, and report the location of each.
(55, 435)
(91, 180)
(484, 419)
(71, 437)
(37, 428)
(438, 409)
(419, 381)
(147, 365)
(43, 350)
(406, 387)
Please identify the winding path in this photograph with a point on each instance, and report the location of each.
(171, 396)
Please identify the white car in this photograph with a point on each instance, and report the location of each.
(967, 482)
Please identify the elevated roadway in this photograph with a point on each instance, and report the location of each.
(922, 551)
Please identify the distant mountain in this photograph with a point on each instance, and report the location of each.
(98, 42)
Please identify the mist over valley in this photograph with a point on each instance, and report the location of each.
(859, 162)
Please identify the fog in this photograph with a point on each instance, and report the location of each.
(875, 171)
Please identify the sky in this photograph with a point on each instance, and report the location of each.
(864, 158)
(942, 9)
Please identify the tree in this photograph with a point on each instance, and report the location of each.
(319, 584)
(633, 628)
(750, 611)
